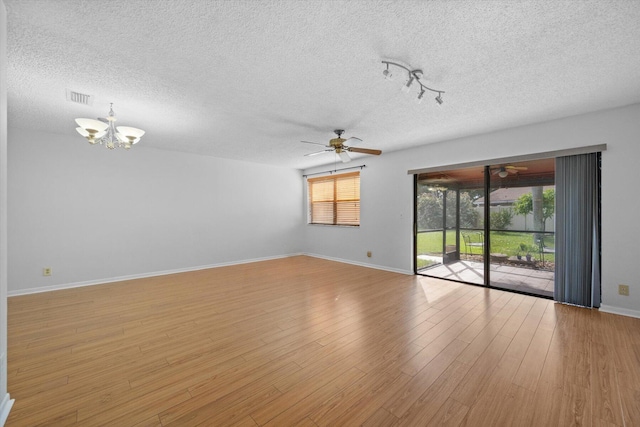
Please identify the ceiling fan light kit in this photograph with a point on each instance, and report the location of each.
(414, 75)
(504, 171)
(343, 156)
(105, 132)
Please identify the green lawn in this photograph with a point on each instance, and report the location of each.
(501, 242)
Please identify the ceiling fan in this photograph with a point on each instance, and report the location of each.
(338, 145)
(504, 171)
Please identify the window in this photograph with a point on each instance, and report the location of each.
(335, 199)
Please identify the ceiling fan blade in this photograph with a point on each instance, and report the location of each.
(352, 140)
(316, 143)
(518, 168)
(344, 156)
(318, 152)
(364, 150)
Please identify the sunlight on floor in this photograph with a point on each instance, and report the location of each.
(535, 281)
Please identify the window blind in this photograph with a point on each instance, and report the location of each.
(335, 199)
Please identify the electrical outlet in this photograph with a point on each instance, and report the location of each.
(46, 271)
(369, 254)
(623, 290)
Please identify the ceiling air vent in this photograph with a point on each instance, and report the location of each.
(79, 98)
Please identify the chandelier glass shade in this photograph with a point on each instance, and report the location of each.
(107, 134)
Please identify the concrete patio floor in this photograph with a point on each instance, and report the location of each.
(505, 276)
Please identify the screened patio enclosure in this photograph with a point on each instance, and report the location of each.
(488, 225)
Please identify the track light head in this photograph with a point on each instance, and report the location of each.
(439, 99)
(420, 96)
(387, 74)
(407, 87)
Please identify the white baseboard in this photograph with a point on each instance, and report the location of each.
(139, 276)
(5, 407)
(621, 311)
(361, 264)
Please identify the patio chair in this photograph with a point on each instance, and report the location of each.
(544, 250)
(470, 242)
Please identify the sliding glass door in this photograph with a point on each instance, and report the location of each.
(521, 226)
(491, 225)
(449, 237)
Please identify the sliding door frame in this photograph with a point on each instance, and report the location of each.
(487, 227)
(486, 232)
(486, 164)
(487, 217)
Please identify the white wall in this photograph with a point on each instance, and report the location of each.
(5, 400)
(387, 193)
(386, 218)
(94, 215)
(179, 211)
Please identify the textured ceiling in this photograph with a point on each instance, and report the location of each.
(250, 79)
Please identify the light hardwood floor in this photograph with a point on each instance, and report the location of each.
(309, 342)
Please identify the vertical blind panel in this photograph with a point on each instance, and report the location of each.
(335, 199)
(577, 277)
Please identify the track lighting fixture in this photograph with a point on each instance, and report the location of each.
(414, 75)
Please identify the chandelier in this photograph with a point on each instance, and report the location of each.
(414, 76)
(104, 132)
